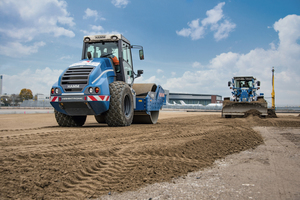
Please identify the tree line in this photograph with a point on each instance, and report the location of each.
(15, 99)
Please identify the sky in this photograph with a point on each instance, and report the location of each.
(191, 46)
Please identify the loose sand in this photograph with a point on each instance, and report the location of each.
(40, 160)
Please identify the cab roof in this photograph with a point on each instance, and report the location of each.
(244, 78)
(107, 37)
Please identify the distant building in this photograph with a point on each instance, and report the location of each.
(203, 99)
(40, 97)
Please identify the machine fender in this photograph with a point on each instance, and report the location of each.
(105, 74)
(103, 81)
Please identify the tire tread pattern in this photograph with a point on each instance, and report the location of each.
(115, 115)
(69, 121)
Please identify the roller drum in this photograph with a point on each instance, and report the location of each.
(141, 117)
(144, 118)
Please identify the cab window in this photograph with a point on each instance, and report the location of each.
(127, 53)
(101, 48)
(127, 63)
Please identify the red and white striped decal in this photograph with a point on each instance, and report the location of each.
(98, 98)
(54, 99)
(161, 94)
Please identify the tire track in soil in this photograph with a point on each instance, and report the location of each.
(77, 163)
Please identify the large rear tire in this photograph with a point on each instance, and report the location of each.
(100, 118)
(69, 121)
(120, 112)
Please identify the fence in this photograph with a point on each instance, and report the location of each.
(33, 103)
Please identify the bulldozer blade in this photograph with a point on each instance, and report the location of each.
(238, 109)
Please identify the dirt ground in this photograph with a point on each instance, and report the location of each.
(185, 155)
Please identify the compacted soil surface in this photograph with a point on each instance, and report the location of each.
(40, 160)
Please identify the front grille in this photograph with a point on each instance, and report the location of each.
(76, 78)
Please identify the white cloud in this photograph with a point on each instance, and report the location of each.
(39, 81)
(197, 65)
(215, 19)
(16, 49)
(285, 57)
(288, 32)
(152, 79)
(32, 18)
(223, 30)
(185, 32)
(273, 46)
(159, 71)
(214, 15)
(97, 30)
(120, 3)
(224, 61)
(195, 31)
(92, 13)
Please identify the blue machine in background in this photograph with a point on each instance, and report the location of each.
(244, 97)
(244, 88)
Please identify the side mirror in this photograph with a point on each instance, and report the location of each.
(139, 73)
(229, 83)
(141, 51)
(258, 83)
(89, 55)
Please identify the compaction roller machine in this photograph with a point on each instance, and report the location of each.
(102, 84)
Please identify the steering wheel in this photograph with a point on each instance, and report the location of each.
(105, 55)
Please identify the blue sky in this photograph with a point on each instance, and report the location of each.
(192, 46)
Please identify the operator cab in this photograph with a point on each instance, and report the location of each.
(243, 82)
(99, 46)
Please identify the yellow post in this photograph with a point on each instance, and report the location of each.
(273, 91)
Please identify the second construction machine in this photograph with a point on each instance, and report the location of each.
(245, 98)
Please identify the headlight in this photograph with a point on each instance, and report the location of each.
(91, 90)
(55, 91)
(114, 37)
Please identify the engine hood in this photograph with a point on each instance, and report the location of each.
(85, 72)
(83, 63)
